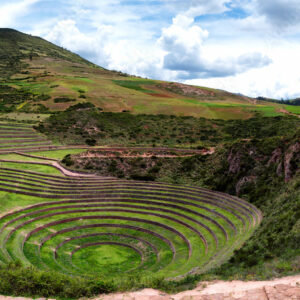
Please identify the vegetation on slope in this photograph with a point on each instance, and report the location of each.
(82, 124)
(49, 78)
(261, 163)
(257, 159)
(15, 47)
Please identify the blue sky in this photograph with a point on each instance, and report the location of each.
(243, 46)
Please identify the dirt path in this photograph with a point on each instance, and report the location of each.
(50, 163)
(67, 172)
(288, 113)
(287, 288)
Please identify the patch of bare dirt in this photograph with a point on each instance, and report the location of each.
(288, 112)
(134, 153)
(159, 95)
(186, 90)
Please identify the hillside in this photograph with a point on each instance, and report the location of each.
(111, 183)
(263, 170)
(39, 77)
(84, 124)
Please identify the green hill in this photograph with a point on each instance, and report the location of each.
(41, 77)
(17, 47)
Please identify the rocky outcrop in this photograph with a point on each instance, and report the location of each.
(291, 161)
(234, 160)
(281, 289)
(276, 157)
(247, 162)
(242, 182)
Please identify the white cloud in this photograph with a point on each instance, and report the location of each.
(9, 13)
(193, 8)
(231, 51)
(279, 80)
(184, 43)
(91, 46)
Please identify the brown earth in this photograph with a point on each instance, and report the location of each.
(186, 90)
(288, 112)
(134, 153)
(279, 289)
(159, 95)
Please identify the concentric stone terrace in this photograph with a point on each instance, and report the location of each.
(94, 225)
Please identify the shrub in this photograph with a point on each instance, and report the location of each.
(63, 99)
(67, 160)
(82, 105)
(19, 281)
(90, 142)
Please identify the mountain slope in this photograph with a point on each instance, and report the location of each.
(16, 46)
(41, 77)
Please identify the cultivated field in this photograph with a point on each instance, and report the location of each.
(81, 224)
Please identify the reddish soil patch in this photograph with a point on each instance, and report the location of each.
(159, 95)
(186, 90)
(288, 112)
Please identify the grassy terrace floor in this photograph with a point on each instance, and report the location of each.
(85, 225)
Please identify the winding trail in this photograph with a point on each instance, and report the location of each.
(49, 162)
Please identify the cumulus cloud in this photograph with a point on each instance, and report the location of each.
(279, 80)
(9, 13)
(281, 13)
(104, 48)
(91, 46)
(184, 41)
(232, 50)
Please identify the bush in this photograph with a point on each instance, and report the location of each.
(83, 105)
(67, 160)
(63, 99)
(19, 281)
(90, 142)
(146, 177)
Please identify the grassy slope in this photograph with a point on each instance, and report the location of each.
(54, 73)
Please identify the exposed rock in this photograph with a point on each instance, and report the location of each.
(276, 157)
(280, 289)
(291, 155)
(242, 182)
(279, 169)
(234, 161)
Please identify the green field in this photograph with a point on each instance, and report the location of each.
(96, 226)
